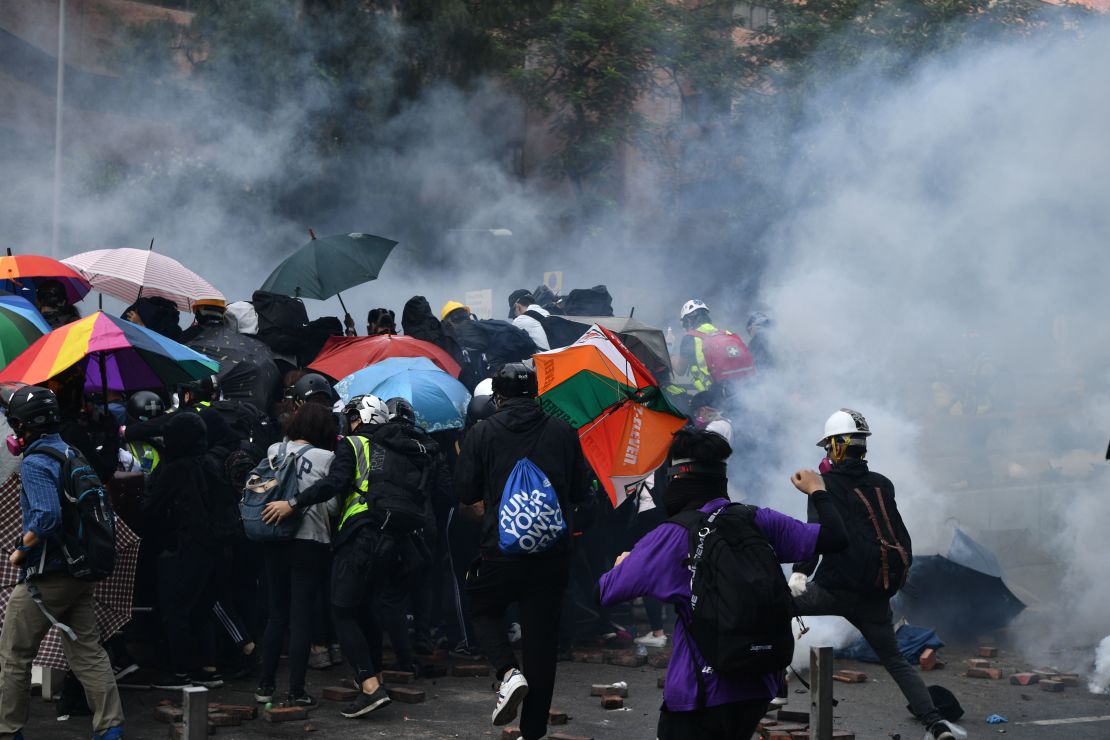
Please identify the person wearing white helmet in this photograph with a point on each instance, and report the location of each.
(858, 582)
(710, 355)
(380, 475)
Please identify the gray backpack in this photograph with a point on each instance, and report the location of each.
(273, 479)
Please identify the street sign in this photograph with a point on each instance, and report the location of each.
(480, 302)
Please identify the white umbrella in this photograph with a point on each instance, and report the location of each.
(127, 274)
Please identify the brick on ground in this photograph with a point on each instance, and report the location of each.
(588, 656)
(789, 715)
(405, 694)
(850, 677)
(986, 651)
(223, 719)
(659, 660)
(612, 702)
(604, 689)
(978, 663)
(991, 673)
(242, 711)
(1023, 679)
(398, 676)
(555, 717)
(928, 659)
(168, 713)
(1068, 679)
(284, 714)
(625, 659)
(1051, 684)
(339, 693)
(470, 670)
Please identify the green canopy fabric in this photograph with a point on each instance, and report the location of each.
(325, 267)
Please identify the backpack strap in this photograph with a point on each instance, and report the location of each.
(893, 535)
(883, 544)
(535, 315)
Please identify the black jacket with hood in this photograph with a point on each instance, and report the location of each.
(418, 322)
(492, 449)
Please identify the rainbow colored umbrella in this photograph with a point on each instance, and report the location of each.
(115, 355)
(21, 274)
(624, 420)
(20, 325)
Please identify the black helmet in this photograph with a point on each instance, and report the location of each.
(205, 389)
(312, 384)
(145, 405)
(401, 410)
(34, 407)
(515, 380)
(479, 408)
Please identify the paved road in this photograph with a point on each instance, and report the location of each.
(459, 708)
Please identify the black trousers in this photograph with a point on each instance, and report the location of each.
(735, 721)
(185, 594)
(295, 574)
(537, 586)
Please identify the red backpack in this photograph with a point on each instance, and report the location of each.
(726, 355)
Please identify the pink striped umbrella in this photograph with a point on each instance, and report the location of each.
(127, 273)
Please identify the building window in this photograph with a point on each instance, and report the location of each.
(754, 17)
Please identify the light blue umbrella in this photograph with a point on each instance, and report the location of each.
(439, 400)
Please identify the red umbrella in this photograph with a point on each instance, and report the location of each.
(342, 356)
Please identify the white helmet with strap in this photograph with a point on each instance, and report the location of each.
(845, 423)
(370, 409)
(692, 305)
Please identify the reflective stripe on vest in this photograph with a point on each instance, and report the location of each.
(145, 454)
(355, 502)
(699, 371)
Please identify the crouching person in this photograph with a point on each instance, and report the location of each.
(721, 688)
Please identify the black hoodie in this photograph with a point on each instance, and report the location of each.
(493, 447)
(418, 322)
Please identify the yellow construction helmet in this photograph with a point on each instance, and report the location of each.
(451, 307)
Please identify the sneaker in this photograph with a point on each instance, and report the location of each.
(941, 730)
(366, 703)
(112, 733)
(124, 670)
(509, 696)
(264, 693)
(207, 679)
(305, 700)
(783, 697)
(466, 652)
(651, 640)
(319, 659)
(171, 681)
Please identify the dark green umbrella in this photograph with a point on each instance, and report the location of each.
(324, 267)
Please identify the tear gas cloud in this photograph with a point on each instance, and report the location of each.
(934, 259)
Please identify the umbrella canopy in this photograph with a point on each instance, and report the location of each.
(439, 400)
(258, 382)
(325, 267)
(111, 597)
(21, 273)
(127, 274)
(114, 354)
(342, 356)
(961, 594)
(624, 421)
(248, 370)
(646, 343)
(20, 325)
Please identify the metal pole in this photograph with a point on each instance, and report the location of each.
(821, 693)
(194, 706)
(58, 106)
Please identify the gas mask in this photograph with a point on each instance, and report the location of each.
(15, 445)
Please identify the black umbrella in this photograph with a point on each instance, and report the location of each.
(646, 343)
(256, 382)
(961, 595)
(247, 368)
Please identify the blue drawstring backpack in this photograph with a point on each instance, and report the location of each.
(529, 517)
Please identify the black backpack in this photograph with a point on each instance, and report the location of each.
(739, 602)
(398, 485)
(879, 552)
(87, 536)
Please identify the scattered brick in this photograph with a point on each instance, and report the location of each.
(339, 693)
(612, 701)
(625, 659)
(284, 714)
(564, 736)
(510, 733)
(1023, 679)
(406, 695)
(850, 677)
(988, 652)
(168, 713)
(398, 676)
(1068, 679)
(587, 656)
(604, 689)
(555, 717)
(788, 715)
(978, 663)
(778, 733)
(659, 660)
(470, 670)
(223, 719)
(242, 711)
(991, 673)
(1051, 684)
(928, 659)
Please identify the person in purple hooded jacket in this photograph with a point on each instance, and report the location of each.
(732, 705)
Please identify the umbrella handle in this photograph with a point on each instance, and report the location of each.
(348, 320)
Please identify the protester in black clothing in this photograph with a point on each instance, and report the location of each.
(380, 321)
(381, 473)
(418, 322)
(53, 304)
(858, 582)
(537, 581)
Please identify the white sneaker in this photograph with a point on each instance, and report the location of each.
(515, 633)
(509, 696)
(651, 640)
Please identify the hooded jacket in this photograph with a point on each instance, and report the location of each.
(492, 449)
(175, 508)
(418, 322)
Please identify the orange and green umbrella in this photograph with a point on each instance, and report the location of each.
(624, 420)
(114, 355)
(20, 325)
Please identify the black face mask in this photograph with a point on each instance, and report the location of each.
(690, 493)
